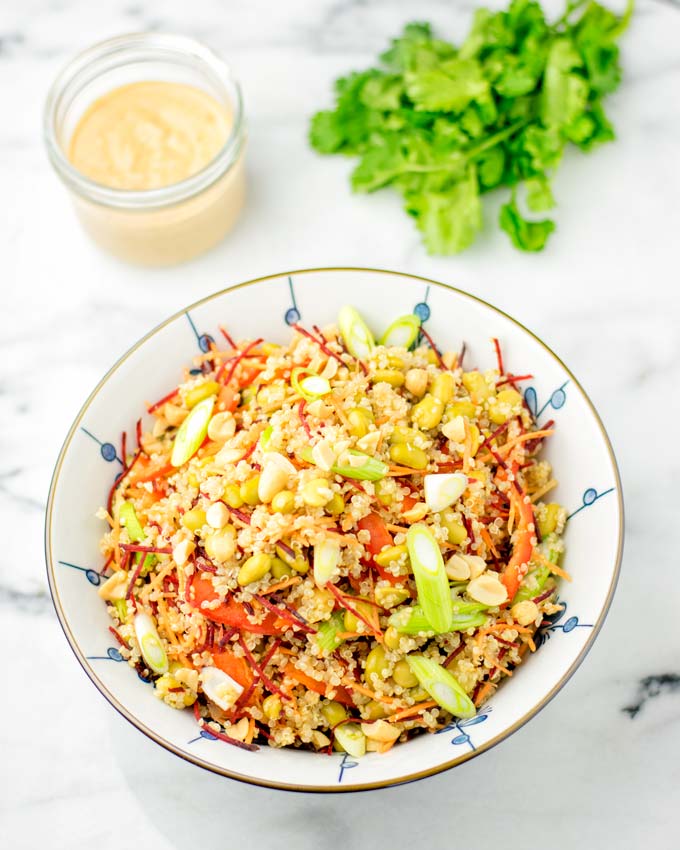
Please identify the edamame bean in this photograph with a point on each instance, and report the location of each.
(475, 383)
(404, 454)
(232, 496)
(194, 519)
(283, 502)
(443, 387)
(403, 676)
(249, 490)
(376, 664)
(359, 419)
(254, 568)
(205, 390)
(333, 712)
(316, 493)
(454, 527)
(280, 569)
(393, 377)
(271, 706)
(336, 505)
(428, 412)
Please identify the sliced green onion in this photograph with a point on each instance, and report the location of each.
(121, 609)
(356, 335)
(310, 386)
(327, 632)
(127, 516)
(536, 581)
(371, 469)
(266, 436)
(192, 432)
(150, 645)
(351, 739)
(219, 687)
(443, 489)
(432, 582)
(326, 560)
(441, 686)
(403, 332)
(412, 620)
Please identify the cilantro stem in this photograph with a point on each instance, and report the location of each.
(492, 141)
(468, 154)
(572, 6)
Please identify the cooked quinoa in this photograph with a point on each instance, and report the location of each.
(285, 539)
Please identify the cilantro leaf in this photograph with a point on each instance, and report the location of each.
(449, 88)
(526, 235)
(539, 195)
(449, 221)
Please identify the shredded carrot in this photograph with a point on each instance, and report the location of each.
(396, 471)
(346, 635)
(412, 709)
(163, 619)
(396, 528)
(485, 692)
(337, 404)
(355, 686)
(286, 582)
(553, 567)
(543, 490)
(486, 537)
(522, 438)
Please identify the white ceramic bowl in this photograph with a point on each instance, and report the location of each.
(580, 452)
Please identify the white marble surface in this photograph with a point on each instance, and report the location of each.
(604, 295)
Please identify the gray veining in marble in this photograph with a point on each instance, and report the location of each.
(600, 762)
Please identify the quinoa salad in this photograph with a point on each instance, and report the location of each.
(335, 543)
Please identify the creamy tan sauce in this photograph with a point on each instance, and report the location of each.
(147, 135)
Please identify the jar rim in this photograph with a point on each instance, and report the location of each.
(167, 44)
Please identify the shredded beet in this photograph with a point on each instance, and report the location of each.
(352, 610)
(138, 434)
(161, 401)
(123, 448)
(449, 658)
(303, 418)
(121, 640)
(499, 356)
(433, 347)
(544, 595)
(154, 550)
(135, 575)
(497, 431)
(228, 338)
(468, 529)
(244, 517)
(227, 738)
(106, 564)
(248, 452)
(322, 345)
(259, 672)
(317, 330)
(236, 361)
(226, 636)
(287, 613)
(462, 355)
(272, 649)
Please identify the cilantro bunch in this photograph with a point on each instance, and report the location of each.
(444, 125)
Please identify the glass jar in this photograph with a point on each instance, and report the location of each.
(156, 226)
